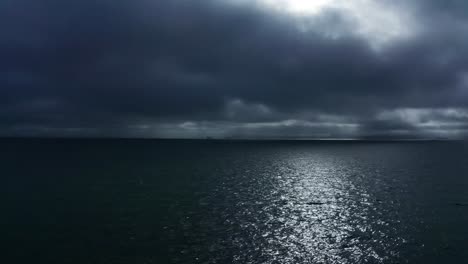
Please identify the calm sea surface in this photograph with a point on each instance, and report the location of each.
(150, 201)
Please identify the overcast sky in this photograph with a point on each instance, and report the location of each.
(234, 68)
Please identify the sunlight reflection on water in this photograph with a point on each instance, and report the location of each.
(307, 209)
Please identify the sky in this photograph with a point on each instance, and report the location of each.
(323, 69)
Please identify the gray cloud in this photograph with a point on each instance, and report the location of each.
(230, 69)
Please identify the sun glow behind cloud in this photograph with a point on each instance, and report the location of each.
(378, 22)
(302, 7)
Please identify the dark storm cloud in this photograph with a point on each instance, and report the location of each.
(183, 68)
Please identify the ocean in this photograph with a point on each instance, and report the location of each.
(208, 201)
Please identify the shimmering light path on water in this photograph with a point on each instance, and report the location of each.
(90, 201)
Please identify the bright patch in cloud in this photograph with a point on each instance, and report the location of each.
(303, 7)
(379, 23)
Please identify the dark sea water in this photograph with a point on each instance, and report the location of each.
(150, 201)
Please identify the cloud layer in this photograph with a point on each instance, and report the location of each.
(227, 68)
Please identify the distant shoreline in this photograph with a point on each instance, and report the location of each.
(236, 139)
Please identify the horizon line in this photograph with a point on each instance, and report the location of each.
(229, 139)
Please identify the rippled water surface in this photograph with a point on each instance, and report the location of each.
(143, 201)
